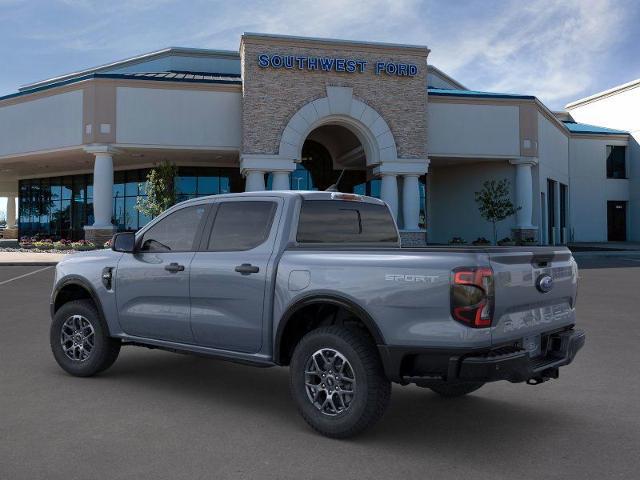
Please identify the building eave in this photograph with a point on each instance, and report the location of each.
(132, 61)
(448, 78)
(116, 76)
(606, 93)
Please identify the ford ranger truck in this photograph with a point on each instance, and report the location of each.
(317, 281)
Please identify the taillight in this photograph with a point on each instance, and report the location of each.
(472, 296)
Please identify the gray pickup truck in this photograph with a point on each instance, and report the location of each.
(317, 281)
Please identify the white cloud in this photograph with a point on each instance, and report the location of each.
(549, 48)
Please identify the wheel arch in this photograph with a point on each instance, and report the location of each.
(75, 288)
(288, 319)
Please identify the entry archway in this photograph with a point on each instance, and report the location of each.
(339, 108)
(331, 153)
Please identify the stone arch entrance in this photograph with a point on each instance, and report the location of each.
(323, 121)
(330, 153)
(340, 108)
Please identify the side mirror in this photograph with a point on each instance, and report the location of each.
(124, 242)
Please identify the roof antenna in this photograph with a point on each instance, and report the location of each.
(334, 187)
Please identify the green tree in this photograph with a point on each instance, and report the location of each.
(160, 190)
(494, 203)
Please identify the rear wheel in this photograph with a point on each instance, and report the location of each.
(337, 382)
(456, 389)
(80, 339)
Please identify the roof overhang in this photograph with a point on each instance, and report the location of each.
(145, 57)
(606, 93)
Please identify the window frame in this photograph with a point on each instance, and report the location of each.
(213, 215)
(196, 240)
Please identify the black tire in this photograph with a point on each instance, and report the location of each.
(372, 391)
(456, 389)
(104, 351)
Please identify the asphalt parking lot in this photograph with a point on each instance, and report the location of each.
(159, 415)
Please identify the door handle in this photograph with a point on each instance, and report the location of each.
(247, 268)
(174, 268)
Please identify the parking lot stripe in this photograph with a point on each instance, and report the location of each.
(25, 275)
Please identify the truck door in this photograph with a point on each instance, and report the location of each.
(152, 285)
(229, 274)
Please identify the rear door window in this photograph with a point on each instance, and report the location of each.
(341, 221)
(241, 225)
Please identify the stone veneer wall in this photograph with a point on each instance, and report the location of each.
(413, 239)
(272, 96)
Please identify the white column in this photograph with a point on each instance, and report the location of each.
(254, 181)
(524, 193)
(11, 212)
(280, 181)
(389, 192)
(410, 201)
(103, 189)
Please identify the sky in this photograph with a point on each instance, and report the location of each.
(557, 50)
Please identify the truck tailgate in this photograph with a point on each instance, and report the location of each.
(527, 302)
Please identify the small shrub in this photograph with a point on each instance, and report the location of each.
(506, 241)
(481, 241)
(527, 241)
(43, 244)
(82, 245)
(457, 241)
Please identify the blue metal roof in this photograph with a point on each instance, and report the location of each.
(444, 92)
(575, 127)
(188, 77)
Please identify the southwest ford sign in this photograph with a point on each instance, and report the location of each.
(334, 64)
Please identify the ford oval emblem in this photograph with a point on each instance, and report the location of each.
(544, 283)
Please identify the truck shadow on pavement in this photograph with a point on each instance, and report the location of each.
(417, 418)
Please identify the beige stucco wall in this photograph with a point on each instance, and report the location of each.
(619, 110)
(178, 117)
(451, 194)
(50, 122)
(590, 189)
(272, 96)
(473, 129)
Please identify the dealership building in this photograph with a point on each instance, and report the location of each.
(294, 113)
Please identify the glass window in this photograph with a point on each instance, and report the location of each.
(341, 221)
(79, 187)
(186, 186)
(225, 185)
(130, 214)
(241, 225)
(43, 201)
(89, 186)
(67, 189)
(208, 185)
(616, 167)
(119, 213)
(301, 179)
(176, 232)
(56, 189)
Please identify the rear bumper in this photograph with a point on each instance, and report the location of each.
(509, 362)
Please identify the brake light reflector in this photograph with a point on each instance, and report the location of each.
(352, 197)
(472, 296)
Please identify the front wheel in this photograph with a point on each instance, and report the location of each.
(80, 339)
(337, 382)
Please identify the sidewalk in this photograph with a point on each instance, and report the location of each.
(29, 259)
